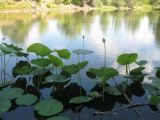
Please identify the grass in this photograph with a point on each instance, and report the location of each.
(27, 5)
(15, 5)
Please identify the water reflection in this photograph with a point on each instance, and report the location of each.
(64, 30)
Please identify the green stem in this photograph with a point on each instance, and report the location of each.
(103, 93)
(126, 97)
(104, 54)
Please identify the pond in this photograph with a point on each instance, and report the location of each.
(124, 32)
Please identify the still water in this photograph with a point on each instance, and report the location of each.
(128, 31)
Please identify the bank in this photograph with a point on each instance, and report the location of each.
(36, 7)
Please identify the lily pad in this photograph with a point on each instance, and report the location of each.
(49, 107)
(106, 73)
(64, 53)
(137, 71)
(10, 93)
(5, 106)
(72, 69)
(80, 100)
(25, 70)
(55, 61)
(39, 49)
(112, 91)
(82, 52)
(57, 78)
(154, 100)
(92, 73)
(41, 62)
(152, 89)
(58, 118)
(27, 99)
(81, 65)
(6, 50)
(11, 46)
(125, 59)
(21, 54)
(141, 63)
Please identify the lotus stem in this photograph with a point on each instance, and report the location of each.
(124, 94)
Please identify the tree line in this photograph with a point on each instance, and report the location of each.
(96, 3)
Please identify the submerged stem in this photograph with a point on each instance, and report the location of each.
(124, 94)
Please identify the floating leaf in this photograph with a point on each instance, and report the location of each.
(154, 100)
(137, 71)
(10, 93)
(5, 106)
(6, 50)
(27, 99)
(41, 62)
(141, 63)
(58, 118)
(106, 73)
(92, 73)
(72, 69)
(152, 89)
(39, 49)
(125, 59)
(25, 70)
(64, 53)
(57, 78)
(49, 107)
(112, 91)
(21, 54)
(82, 65)
(20, 64)
(82, 51)
(55, 61)
(11, 46)
(80, 100)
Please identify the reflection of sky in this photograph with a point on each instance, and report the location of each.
(119, 40)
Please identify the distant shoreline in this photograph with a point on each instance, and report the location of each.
(74, 8)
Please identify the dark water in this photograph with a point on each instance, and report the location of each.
(124, 31)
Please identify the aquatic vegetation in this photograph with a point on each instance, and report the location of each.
(48, 70)
(49, 107)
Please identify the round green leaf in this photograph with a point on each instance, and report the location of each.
(13, 47)
(58, 118)
(25, 70)
(27, 99)
(107, 73)
(72, 69)
(5, 106)
(39, 49)
(49, 107)
(55, 61)
(57, 78)
(10, 93)
(64, 53)
(154, 100)
(141, 63)
(82, 51)
(80, 100)
(137, 71)
(82, 65)
(125, 59)
(112, 91)
(41, 62)
(6, 50)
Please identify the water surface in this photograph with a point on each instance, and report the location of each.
(128, 31)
